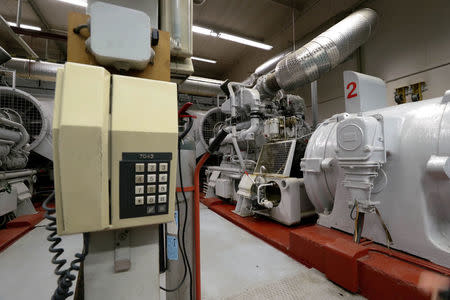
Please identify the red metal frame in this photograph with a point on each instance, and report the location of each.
(369, 269)
(18, 227)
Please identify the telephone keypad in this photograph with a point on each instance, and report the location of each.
(144, 184)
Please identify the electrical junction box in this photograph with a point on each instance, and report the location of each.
(115, 142)
(363, 92)
(120, 36)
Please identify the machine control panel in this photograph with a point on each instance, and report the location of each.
(144, 184)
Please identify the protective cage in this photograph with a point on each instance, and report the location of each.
(29, 110)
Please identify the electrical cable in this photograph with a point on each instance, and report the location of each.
(185, 222)
(66, 278)
(182, 255)
(182, 244)
(77, 29)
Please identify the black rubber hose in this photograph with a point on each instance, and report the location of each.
(183, 134)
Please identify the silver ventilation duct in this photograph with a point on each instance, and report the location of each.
(47, 71)
(34, 69)
(200, 87)
(320, 55)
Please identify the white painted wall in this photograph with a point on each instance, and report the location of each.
(411, 44)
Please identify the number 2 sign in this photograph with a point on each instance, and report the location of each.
(351, 86)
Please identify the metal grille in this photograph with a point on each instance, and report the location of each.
(26, 107)
(274, 157)
(211, 125)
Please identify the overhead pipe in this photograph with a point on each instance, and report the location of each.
(47, 71)
(266, 67)
(19, 13)
(34, 69)
(199, 87)
(321, 55)
(18, 39)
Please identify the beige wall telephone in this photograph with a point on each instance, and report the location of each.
(115, 150)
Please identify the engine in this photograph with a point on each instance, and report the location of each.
(23, 127)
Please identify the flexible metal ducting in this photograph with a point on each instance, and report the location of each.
(34, 69)
(322, 54)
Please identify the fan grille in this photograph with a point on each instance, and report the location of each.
(27, 107)
(212, 123)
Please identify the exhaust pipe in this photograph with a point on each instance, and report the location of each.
(320, 55)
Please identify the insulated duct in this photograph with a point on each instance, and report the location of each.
(200, 87)
(320, 55)
(47, 71)
(34, 69)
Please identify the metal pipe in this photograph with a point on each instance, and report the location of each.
(224, 169)
(34, 69)
(236, 148)
(24, 138)
(194, 86)
(18, 39)
(8, 175)
(19, 13)
(314, 104)
(243, 133)
(322, 54)
(10, 135)
(258, 193)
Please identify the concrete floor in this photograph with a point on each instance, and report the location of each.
(235, 265)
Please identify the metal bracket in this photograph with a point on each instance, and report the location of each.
(122, 261)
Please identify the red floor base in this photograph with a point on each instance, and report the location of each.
(367, 268)
(18, 227)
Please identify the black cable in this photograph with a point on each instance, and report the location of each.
(182, 246)
(185, 221)
(181, 251)
(66, 278)
(77, 29)
(183, 134)
(351, 212)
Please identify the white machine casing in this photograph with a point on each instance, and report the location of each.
(293, 204)
(91, 144)
(410, 185)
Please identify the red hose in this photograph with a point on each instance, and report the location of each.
(198, 271)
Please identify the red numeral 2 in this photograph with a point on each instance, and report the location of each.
(352, 93)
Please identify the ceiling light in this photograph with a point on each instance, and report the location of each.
(24, 26)
(229, 37)
(244, 41)
(202, 30)
(204, 60)
(82, 3)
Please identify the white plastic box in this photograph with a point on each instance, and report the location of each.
(120, 36)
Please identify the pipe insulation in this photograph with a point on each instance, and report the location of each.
(47, 71)
(320, 55)
(200, 88)
(34, 69)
